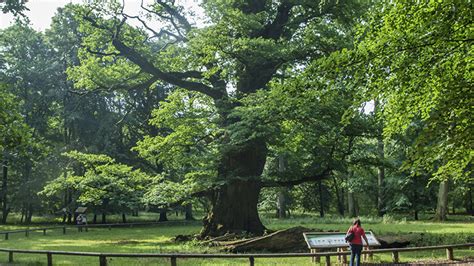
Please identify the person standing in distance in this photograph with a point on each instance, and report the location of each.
(356, 242)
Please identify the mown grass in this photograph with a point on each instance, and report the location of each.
(159, 239)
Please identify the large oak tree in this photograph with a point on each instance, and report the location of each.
(241, 47)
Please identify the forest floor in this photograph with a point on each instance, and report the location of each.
(160, 239)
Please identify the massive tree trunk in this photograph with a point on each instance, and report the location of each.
(442, 207)
(234, 205)
(235, 210)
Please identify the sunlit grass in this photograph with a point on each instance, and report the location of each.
(159, 239)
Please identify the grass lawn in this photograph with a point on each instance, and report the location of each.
(158, 239)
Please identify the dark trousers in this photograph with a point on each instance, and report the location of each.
(356, 250)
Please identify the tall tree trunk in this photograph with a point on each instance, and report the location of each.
(70, 211)
(442, 207)
(321, 202)
(415, 202)
(340, 200)
(381, 168)
(235, 210)
(29, 213)
(234, 205)
(469, 201)
(281, 204)
(454, 206)
(163, 216)
(5, 209)
(188, 212)
(353, 211)
(124, 218)
(23, 214)
(282, 193)
(380, 178)
(104, 218)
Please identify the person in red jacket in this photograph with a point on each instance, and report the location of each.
(356, 242)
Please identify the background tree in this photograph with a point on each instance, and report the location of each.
(420, 69)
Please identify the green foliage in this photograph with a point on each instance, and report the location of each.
(16, 7)
(104, 184)
(187, 146)
(421, 69)
(15, 135)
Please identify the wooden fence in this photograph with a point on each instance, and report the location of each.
(80, 228)
(251, 257)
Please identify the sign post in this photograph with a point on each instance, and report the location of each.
(326, 240)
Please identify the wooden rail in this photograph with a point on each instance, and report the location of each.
(81, 227)
(251, 257)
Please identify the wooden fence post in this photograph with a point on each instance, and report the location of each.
(173, 261)
(102, 260)
(344, 257)
(328, 260)
(316, 259)
(10, 256)
(44, 232)
(27, 232)
(449, 254)
(50, 259)
(6, 236)
(64, 230)
(395, 256)
(252, 261)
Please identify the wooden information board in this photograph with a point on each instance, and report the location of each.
(320, 240)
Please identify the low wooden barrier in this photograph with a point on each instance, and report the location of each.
(80, 228)
(29, 230)
(251, 257)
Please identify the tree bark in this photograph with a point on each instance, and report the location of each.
(321, 203)
(234, 204)
(281, 204)
(29, 213)
(282, 193)
(380, 178)
(5, 209)
(415, 202)
(235, 210)
(339, 197)
(163, 216)
(442, 207)
(188, 212)
(381, 168)
(469, 201)
(353, 211)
